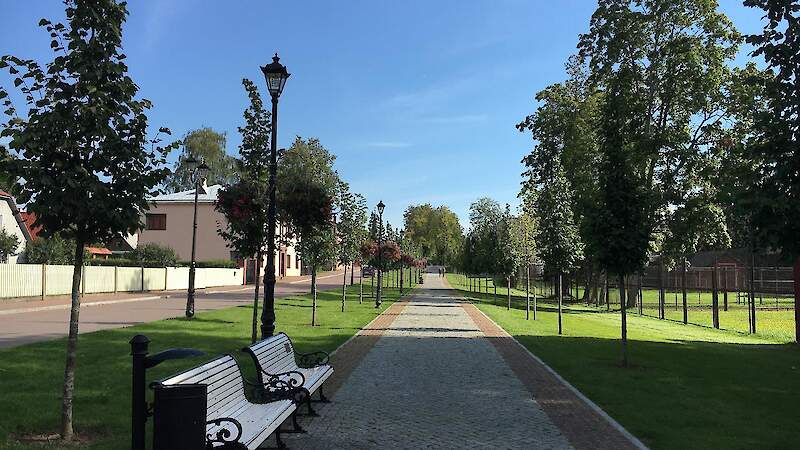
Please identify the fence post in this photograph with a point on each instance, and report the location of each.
(752, 294)
(796, 282)
(116, 279)
(714, 296)
(683, 292)
(640, 293)
(661, 296)
(44, 281)
(725, 290)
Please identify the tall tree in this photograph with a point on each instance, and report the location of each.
(8, 182)
(209, 146)
(676, 56)
(245, 203)
(351, 229)
(775, 149)
(82, 149)
(306, 188)
(435, 232)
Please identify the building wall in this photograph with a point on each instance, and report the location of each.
(178, 233)
(9, 223)
(210, 245)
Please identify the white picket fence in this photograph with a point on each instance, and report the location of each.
(38, 280)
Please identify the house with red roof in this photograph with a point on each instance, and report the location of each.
(12, 223)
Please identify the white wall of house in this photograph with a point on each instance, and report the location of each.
(8, 222)
(177, 215)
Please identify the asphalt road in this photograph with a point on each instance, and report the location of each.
(23, 326)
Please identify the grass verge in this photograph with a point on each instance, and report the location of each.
(31, 375)
(689, 387)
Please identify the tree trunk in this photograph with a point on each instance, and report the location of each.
(587, 296)
(361, 285)
(528, 292)
(508, 286)
(632, 295)
(623, 315)
(560, 293)
(313, 296)
(352, 272)
(72, 344)
(254, 335)
(344, 286)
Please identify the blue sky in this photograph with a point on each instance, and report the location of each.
(417, 99)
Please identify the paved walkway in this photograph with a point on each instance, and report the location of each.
(428, 377)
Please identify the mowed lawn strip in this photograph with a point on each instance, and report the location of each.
(31, 375)
(774, 317)
(689, 387)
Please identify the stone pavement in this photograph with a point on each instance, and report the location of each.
(433, 378)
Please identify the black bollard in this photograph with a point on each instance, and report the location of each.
(142, 362)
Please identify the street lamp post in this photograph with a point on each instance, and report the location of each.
(200, 170)
(276, 75)
(381, 207)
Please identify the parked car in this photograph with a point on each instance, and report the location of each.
(368, 271)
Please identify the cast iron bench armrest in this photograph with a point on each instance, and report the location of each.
(274, 388)
(224, 435)
(313, 359)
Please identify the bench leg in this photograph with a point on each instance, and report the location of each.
(322, 398)
(311, 411)
(278, 441)
(297, 428)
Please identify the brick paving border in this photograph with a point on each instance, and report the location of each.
(582, 422)
(347, 357)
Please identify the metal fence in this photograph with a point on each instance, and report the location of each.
(748, 300)
(751, 300)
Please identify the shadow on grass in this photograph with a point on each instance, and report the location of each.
(686, 393)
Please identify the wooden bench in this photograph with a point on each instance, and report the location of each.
(232, 421)
(275, 357)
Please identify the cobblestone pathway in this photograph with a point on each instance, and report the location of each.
(432, 380)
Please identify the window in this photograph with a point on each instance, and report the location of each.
(156, 222)
(288, 262)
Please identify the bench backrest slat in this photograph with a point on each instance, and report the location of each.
(274, 354)
(224, 381)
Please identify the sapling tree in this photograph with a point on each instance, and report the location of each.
(559, 243)
(9, 244)
(83, 149)
(522, 235)
(625, 199)
(351, 229)
(306, 188)
(244, 204)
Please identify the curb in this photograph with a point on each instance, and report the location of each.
(636, 442)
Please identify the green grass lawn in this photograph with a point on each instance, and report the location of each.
(31, 376)
(689, 387)
(774, 319)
